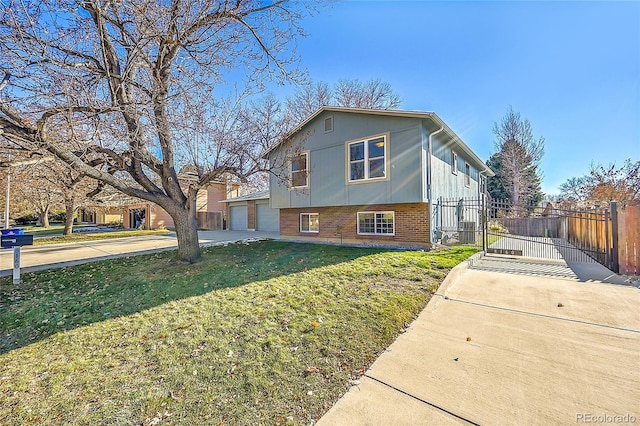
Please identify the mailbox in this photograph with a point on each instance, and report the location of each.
(12, 231)
(16, 240)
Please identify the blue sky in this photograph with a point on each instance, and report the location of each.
(571, 68)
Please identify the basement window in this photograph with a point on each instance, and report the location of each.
(376, 223)
(310, 222)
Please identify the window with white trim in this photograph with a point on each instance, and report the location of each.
(467, 174)
(376, 223)
(367, 159)
(454, 163)
(300, 171)
(310, 222)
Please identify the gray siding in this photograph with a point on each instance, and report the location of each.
(328, 169)
(443, 182)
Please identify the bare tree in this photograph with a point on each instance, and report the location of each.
(374, 94)
(110, 88)
(308, 99)
(604, 184)
(351, 93)
(574, 190)
(518, 156)
(36, 190)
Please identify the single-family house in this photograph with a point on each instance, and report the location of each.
(361, 176)
(133, 212)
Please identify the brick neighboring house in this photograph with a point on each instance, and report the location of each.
(360, 176)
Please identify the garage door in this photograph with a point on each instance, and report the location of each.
(238, 218)
(267, 219)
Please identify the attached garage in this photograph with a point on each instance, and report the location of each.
(252, 212)
(267, 219)
(238, 217)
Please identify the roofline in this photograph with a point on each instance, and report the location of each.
(249, 197)
(461, 144)
(388, 112)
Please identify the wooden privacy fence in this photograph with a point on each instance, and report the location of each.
(534, 226)
(209, 220)
(629, 240)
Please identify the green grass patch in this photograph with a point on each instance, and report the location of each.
(51, 230)
(93, 236)
(262, 333)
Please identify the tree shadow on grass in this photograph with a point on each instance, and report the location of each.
(63, 299)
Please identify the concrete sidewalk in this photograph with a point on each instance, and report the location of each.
(34, 258)
(501, 348)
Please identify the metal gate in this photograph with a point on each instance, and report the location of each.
(543, 232)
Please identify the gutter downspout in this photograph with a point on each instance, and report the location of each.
(428, 179)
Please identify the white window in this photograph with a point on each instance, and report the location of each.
(367, 159)
(454, 163)
(310, 222)
(328, 124)
(467, 174)
(300, 171)
(376, 223)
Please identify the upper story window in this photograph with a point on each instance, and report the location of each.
(367, 159)
(467, 174)
(454, 163)
(300, 171)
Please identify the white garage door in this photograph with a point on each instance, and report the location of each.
(267, 219)
(238, 218)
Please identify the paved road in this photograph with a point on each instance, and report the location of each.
(496, 348)
(58, 255)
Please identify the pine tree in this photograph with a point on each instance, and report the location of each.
(516, 162)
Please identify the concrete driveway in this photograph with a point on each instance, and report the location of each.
(58, 255)
(501, 348)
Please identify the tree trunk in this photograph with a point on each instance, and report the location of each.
(69, 207)
(44, 217)
(187, 233)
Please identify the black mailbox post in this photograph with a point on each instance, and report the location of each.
(16, 240)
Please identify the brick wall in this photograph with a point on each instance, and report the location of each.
(338, 224)
(251, 215)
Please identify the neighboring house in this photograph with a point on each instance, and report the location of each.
(360, 176)
(126, 210)
(252, 212)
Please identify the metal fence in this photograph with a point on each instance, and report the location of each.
(459, 221)
(547, 232)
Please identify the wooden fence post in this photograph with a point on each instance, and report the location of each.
(484, 219)
(615, 265)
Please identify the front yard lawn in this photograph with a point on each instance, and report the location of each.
(262, 333)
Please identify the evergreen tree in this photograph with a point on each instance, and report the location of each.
(516, 162)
